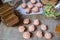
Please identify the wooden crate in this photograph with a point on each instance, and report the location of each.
(0, 7)
(1, 3)
(8, 16)
(4, 8)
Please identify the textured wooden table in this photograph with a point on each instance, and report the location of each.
(12, 33)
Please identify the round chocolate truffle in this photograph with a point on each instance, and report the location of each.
(39, 4)
(35, 9)
(26, 21)
(30, 5)
(26, 35)
(39, 34)
(43, 27)
(21, 28)
(33, 1)
(48, 35)
(36, 22)
(23, 5)
(31, 28)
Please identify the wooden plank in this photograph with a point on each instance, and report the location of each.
(4, 8)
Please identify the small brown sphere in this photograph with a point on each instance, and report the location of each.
(31, 28)
(48, 35)
(27, 10)
(30, 5)
(21, 28)
(23, 5)
(33, 1)
(39, 34)
(26, 21)
(36, 22)
(39, 4)
(43, 27)
(26, 35)
(35, 9)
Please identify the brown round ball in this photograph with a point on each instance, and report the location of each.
(43, 27)
(33, 1)
(31, 28)
(36, 22)
(26, 35)
(23, 5)
(27, 10)
(35, 9)
(39, 34)
(48, 35)
(39, 4)
(30, 5)
(26, 21)
(21, 28)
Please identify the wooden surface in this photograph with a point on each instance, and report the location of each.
(12, 33)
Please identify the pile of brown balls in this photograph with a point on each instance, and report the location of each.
(31, 28)
(31, 6)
